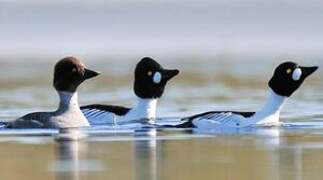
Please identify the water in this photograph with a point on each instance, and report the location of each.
(292, 151)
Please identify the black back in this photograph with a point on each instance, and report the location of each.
(118, 110)
(188, 121)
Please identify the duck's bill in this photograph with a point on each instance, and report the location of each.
(306, 71)
(90, 74)
(169, 74)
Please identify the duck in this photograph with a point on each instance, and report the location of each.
(69, 73)
(149, 86)
(286, 79)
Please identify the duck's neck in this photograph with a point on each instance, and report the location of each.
(271, 111)
(68, 102)
(145, 109)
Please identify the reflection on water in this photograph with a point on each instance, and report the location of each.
(264, 153)
(69, 157)
(147, 154)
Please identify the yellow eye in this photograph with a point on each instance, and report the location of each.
(150, 73)
(288, 71)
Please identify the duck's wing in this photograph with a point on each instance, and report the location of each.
(32, 120)
(216, 118)
(103, 114)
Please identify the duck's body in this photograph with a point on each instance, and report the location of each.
(114, 115)
(68, 114)
(269, 114)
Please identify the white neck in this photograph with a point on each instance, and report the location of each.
(271, 111)
(68, 101)
(69, 113)
(145, 109)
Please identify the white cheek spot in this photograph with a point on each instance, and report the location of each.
(297, 74)
(157, 77)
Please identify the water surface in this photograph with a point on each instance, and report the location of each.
(286, 152)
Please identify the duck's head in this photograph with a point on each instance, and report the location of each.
(151, 78)
(69, 73)
(288, 77)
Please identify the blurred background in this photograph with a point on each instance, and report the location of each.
(98, 29)
(226, 50)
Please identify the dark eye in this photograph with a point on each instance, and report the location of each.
(74, 69)
(149, 73)
(288, 71)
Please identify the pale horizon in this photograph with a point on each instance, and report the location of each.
(130, 28)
